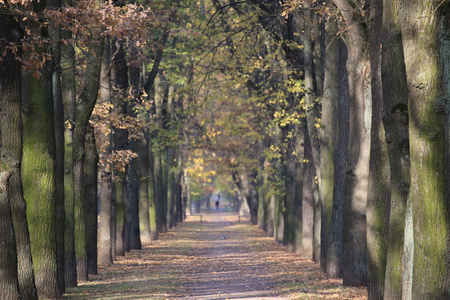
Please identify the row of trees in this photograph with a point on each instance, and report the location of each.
(58, 61)
(340, 146)
(329, 118)
(357, 176)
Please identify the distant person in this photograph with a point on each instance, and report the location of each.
(217, 202)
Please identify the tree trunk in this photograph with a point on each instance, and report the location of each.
(308, 198)
(90, 187)
(38, 178)
(120, 78)
(158, 166)
(312, 115)
(289, 185)
(300, 131)
(135, 239)
(327, 137)
(68, 88)
(261, 187)
(16, 275)
(55, 35)
(136, 83)
(105, 139)
(143, 176)
(170, 192)
(85, 105)
(420, 24)
(358, 152)
(378, 200)
(395, 121)
(158, 185)
(9, 282)
(152, 213)
(336, 229)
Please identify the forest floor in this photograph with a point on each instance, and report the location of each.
(218, 258)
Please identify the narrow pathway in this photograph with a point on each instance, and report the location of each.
(218, 258)
(224, 265)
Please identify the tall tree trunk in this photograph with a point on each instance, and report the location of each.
(143, 176)
(16, 275)
(158, 166)
(327, 137)
(85, 105)
(9, 282)
(120, 77)
(159, 190)
(152, 212)
(135, 239)
(378, 200)
(136, 83)
(308, 198)
(336, 230)
(90, 187)
(55, 35)
(261, 187)
(38, 178)
(300, 132)
(68, 88)
(280, 201)
(289, 185)
(170, 179)
(357, 160)
(312, 114)
(421, 33)
(105, 139)
(395, 121)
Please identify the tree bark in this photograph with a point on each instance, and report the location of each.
(289, 186)
(327, 137)
(120, 137)
(421, 22)
(9, 284)
(106, 193)
(357, 160)
(308, 198)
(55, 35)
(90, 187)
(38, 178)
(158, 173)
(85, 105)
(395, 121)
(334, 252)
(16, 275)
(300, 132)
(68, 89)
(152, 213)
(143, 176)
(378, 200)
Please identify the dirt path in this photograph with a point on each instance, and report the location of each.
(224, 266)
(218, 258)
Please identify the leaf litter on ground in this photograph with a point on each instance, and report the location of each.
(219, 258)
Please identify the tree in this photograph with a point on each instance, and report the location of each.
(422, 31)
(105, 232)
(90, 187)
(378, 200)
(395, 121)
(357, 158)
(11, 152)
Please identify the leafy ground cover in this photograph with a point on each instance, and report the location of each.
(218, 258)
